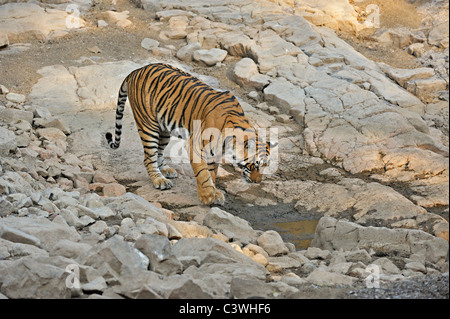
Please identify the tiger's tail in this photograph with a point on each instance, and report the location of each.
(119, 116)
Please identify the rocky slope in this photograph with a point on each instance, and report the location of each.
(363, 149)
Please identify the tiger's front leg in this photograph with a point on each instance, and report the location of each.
(207, 192)
(206, 189)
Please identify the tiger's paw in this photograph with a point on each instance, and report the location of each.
(209, 196)
(169, 172)
(162, 183)
(219, 198)
(206, 195)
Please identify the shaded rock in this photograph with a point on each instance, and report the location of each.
(10, 115)
(8, 141)
(113, 255)
(243, 288)
(325, 278)
(332, 234)
(49, 233)
(134, 206)
(17, 236)
(69, 249)
(159, 252)
(34, 277)
(209, 250)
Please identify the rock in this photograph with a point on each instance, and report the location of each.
(114, 190)
(69, 249)
(416, 49)
(15, 97)
(52, 122)
(401, 76)
(281, 263)
(231, 226)
(242, 288)
(3, 89)
(118, 18)
(98, 227)
(13, 115)
(186, 53)
(17, 236)
(48, 233)
(104, 178)
(438, 33)
(102, 23)
(159, 252)
(28, 21)
(96, 285)
(181, 287)
(426, 89)
(8, 141)
(285, 95)
(34, 277)
(209, 250)
(113, 257)
(209, 57)
(149, 44)
(416, 266)
(272, 243)
(134, 206)
(358, 255)
(177, 27)
(246, 73)
(325, 278)
(332, 234)
(316, 253)
(51, 134)
(386, 266)
(4, 41)
(230, 270)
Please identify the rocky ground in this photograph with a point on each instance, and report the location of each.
(357, 202)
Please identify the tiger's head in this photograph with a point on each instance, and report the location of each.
(251, 155)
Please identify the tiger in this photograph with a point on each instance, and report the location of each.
(164, 98)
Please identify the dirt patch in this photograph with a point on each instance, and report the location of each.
(392, 14)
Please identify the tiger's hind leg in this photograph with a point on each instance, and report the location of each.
(166, 170)
(150, 141)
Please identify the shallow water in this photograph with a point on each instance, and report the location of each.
(300, 233)
(293, 226)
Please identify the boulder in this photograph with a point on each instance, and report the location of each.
(27, 21)
(231, 226)
(159, 252)
(113, 257)
(48, 233)
(333, 234)
(34, 277)
(326, 278)
(243, 288)
(186, 53)
(15, 97)
(210, 57)
(149, 44)
(272, 243)
(206, 250)
(8, 141)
